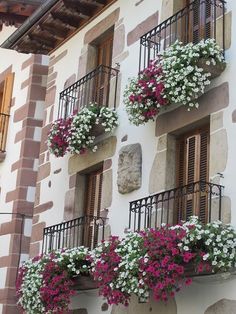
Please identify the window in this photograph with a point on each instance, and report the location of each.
(192, 167)
(104, 58)
(92, 210)
(5, 103)
(99, 85)
(199, 20)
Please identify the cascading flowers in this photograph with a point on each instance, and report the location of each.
(58, 137)
(154, 260)
(46, 283)
(115, 266)
(74, 134)
(175, 77)
(144, 96)
(158, 260)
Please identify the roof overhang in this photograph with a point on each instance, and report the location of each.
(15, 13)
(52, 23)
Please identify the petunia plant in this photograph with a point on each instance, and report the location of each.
(160, 261)
(46, 283)
(179, 75)
(75, 134)
(58, 137)
(144, 96)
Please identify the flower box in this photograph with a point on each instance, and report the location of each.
(85, 282)
(97, 129)
(214, 70)
(179, 75)
(190, 271)
(76, 134)
(215, 278)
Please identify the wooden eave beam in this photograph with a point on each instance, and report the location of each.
(33, 46)
(83, 11)
(59, 32)
(46, 42)
(67, 20)
(76, 14)
(18, 9)
(6, 17)
(97, 3)
(35, 3)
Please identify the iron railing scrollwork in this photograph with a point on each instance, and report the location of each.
(99, 86)
(202, 199)
(83, 231)
(199, 20)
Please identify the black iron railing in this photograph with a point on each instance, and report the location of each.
(85, 230)
(199, 20)
(4, 121)
(98, 86)
(202, 199)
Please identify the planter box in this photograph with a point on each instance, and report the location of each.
(190, 271)
(215, 70)
(85, 282)
(215, 278)
(97, 130)
(209, 277)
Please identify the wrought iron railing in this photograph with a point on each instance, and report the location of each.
(85, 230)
(98, 86)
(4, 121)
(202, 199)
(199, 20)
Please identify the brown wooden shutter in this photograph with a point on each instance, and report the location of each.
(200, 20)
(105, 50)
(180, 175)
(7, 94)
(203, 175)
(93, 207)
(5, 106)
(103, 80)
(192, 167)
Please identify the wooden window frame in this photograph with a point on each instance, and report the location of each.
(182, 172)
(5, 107)
(92, 206)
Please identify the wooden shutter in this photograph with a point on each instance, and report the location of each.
(5, 106)
(192, 167)
(203, 175)
(7, 94)
(200, 20)
(105, 50)
(103, 80)
(92, 207)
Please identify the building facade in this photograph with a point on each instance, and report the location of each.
(88, 53)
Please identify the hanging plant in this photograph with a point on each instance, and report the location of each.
(177, 76)
(83, 124)
(46, 283)
(154, 260)
(77, 134)
(58, 137)
(159, 260)
(186, 70)
(144, 96)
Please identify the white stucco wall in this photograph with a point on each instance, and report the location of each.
(8, 178)
(199, 296)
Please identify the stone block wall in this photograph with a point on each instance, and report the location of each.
(21, 199)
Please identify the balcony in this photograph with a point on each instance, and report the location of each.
(4, 121)
(202, 199)
(201, 19)
(83, 231)
(98, 86)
